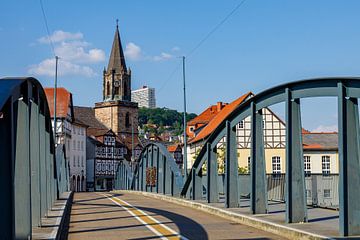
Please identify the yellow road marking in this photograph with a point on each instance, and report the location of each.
(163, 231)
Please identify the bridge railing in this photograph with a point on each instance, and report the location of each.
(347, 91)
(28, 170)
(123, 176)
(156, 171)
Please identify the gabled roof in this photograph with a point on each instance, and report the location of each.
(206, 115)
(63, 101)
(172, 148)
(87, 116)
(220, 117)
(117, 58)
(320, 141)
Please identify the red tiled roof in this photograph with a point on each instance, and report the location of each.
(63, 100)
(172, 148)
(214, 123)
(312, 146)
(206, 115)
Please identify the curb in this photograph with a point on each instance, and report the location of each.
(271, 227)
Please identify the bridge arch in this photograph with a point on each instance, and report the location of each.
(156, 171)
(29, 172)
(347, 91)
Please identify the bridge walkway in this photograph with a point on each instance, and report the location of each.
(130, 216)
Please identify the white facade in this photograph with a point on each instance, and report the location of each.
(77, 158)
(145, 97)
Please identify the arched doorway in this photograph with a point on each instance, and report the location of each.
(73, 183)
(83, 184)
(78, 184)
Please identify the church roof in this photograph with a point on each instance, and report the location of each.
(87, 116)
(117, 58)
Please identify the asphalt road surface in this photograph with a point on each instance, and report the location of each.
(129, 216)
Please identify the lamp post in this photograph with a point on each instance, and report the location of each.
(185, 138)
(55, 87)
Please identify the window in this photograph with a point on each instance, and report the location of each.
(78, 161)
(241, 124)
(82, 145)
(108, 89)
(325, 160)
(326, 193)
(74, 161)
(82, 161)
(127, 120)
(276, 165)
(307, 166)
(308, 193)
(79, 145)
(74, 144)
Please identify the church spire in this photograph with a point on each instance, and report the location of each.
(117, 59)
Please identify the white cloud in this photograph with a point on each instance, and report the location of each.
(133, 51)
(163, 56)
(323, 128)
(73, 52)
(175, 49)
(59, 36)
(47, 68)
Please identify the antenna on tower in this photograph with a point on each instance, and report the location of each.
(117, 23)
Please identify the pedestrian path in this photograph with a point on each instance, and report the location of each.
(131, 216)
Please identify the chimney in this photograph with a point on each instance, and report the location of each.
(219, 106)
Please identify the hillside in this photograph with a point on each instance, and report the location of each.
(163, 117)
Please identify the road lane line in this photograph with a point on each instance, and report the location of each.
(160, 229)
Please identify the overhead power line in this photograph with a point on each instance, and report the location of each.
(201, 42)
(47, 27)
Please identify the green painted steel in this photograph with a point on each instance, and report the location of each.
(168, 179)
(27, 167)
(347, 90)
(258, 195)
(7, 146)
(231, 168)
(22, 188)
(349, 155)
(212, 193)
(295, 177)
(35, 163)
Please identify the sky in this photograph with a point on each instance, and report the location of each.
(263, 44)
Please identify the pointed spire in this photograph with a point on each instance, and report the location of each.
(117, 58)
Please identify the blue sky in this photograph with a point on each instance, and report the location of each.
(263, 44)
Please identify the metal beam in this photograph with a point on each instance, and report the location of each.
(35, 164)
(258, 195)
(231, 168)
(349, 179)
(197, 187)
(212, 175)
(22, 180)
(295, 177)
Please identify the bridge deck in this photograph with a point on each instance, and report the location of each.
(130, 216)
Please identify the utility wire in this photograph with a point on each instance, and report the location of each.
(213, 30)
(47, 27)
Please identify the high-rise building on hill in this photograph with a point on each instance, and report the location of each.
(145, 97)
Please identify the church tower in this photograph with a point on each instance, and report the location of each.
(116, 111)
(117, 78)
